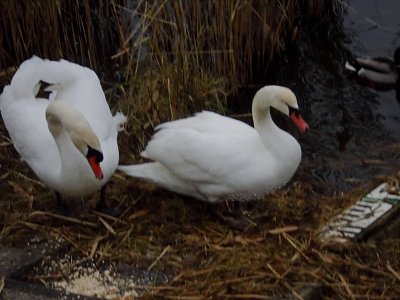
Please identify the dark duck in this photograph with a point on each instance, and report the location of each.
(380, 73)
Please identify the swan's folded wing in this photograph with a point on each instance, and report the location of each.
(207, 153)
(27, 127)
(209, 122)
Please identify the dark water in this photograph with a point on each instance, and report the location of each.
(355, 131)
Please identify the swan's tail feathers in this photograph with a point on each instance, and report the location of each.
(119, 120)
(145, 171)
(158, 174)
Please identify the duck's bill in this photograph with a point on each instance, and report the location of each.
(301, 125)
(95, 167)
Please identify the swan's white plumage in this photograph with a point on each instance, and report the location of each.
(24, 117)
(209, 156)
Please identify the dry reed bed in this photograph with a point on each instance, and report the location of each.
(275, 253)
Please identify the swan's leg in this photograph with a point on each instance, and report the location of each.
(59, 199)
(61, 206)
(101, 205)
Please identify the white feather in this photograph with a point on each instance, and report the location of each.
(24, 117)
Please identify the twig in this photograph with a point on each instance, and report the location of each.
(95, 245)
(68, 239)
(285, 284)
(276, 274)
(1, 283)
(138, 214)
(61, 217)
(239, 279)
(188, 274)
(288, 238)
(283, 229)
(111, 218)
(159, 257)
(30, 225)
(295, 294)
(362, 267)
(127, 234)
(346, 286)
(396, 274)
(107, 226)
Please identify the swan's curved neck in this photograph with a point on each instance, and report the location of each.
(71, 160)
(276, 141)
(263, 122)
(282, 148)
(72, 134)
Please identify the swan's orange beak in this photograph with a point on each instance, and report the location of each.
(95, 167)
(301, 125)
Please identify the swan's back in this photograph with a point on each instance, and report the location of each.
(206, 122)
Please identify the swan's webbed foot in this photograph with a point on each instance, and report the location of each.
(102, 207)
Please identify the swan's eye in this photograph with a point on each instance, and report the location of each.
(94, 153)
(294, 111)
(99, 157)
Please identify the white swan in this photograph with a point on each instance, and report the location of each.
(69, 140)
(211, 157)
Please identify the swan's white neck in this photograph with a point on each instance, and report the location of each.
(73, 169)
(280, 144)
(72, 134)
(269, 132)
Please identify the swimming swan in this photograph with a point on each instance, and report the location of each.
(212, 157)
(70, 139)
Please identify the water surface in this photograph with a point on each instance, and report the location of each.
(355, 130)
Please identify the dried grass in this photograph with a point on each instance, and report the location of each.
(277, 254)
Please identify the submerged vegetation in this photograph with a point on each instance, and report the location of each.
(160, 60)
